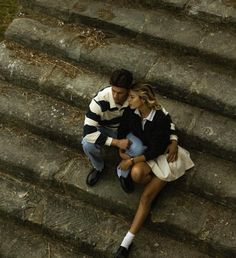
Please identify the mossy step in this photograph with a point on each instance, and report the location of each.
(18, 241)
(199, 129)
(156, 25)
(180, 77)
(8, 10)
(40, 161)
(94, 231)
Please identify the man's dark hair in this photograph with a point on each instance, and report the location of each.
(121, 78)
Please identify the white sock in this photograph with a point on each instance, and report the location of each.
(127, 240)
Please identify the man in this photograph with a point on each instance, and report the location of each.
(102, 121)
(101, 124)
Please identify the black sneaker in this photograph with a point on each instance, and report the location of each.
(127, 184)
(93, 177)
(122, 252)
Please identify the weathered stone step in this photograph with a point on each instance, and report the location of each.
(97, 232)
(40, 160)
(54, 77)
(212, 178)
(17, 241)
(199, 129)
(213, 11)
(32, 157)
(180, 77)
(201, 220)
(223, 12)
(49, 165)
(41, 114)
(159, 26)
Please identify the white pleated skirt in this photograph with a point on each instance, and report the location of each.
(172, 170)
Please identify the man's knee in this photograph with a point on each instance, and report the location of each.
(89, 147)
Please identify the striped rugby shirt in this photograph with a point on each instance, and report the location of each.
(103, 111)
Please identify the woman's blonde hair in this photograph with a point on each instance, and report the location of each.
(146, 92)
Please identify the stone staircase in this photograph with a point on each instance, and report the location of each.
(54, 58)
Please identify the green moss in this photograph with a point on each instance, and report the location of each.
(8, 10)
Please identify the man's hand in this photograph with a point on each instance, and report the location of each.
(125, 164)
(124, 144)
(172, 150)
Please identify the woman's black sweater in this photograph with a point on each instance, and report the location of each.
(156, 133)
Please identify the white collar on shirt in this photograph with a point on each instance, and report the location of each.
(149, 117)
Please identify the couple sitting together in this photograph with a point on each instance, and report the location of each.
(127, 115)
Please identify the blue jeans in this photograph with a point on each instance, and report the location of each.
(94, 151)
(136, 149)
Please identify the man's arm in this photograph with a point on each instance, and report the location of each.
(91, 132)
(121, 143)
(91, 123)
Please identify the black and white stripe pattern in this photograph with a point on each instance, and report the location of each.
(102, 112)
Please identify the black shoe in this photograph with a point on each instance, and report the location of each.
(127, 184)
(122, 252)
(93, 177)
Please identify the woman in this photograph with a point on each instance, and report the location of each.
(150, 127)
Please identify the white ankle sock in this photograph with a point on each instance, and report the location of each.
(127, 240)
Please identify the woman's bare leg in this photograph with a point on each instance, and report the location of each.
(141, 174)
(151, 190)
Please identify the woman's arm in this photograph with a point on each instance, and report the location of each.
(172, 150)
(157, 145)
(128, 163)
(158, 135)
(123, 155)
(138, 159)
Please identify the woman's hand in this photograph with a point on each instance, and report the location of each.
(123, 155)
(172, 150)
(125, 164)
